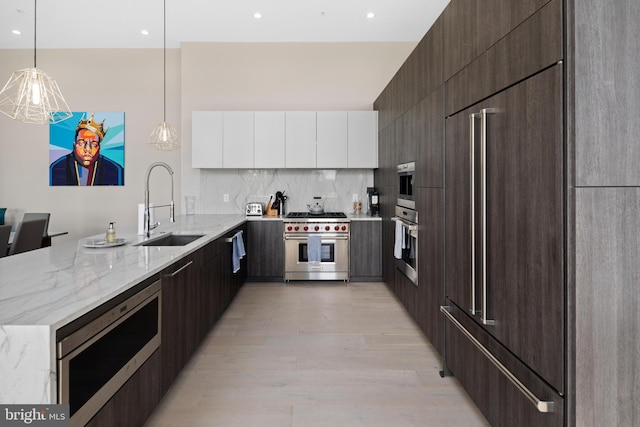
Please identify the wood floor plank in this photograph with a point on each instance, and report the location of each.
(315, 354)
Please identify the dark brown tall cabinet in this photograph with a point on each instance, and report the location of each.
(540, 249)
(505, 240)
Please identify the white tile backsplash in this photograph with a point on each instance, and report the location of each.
(337, 188)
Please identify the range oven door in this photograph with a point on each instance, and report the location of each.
(334, 263)
(406, 243)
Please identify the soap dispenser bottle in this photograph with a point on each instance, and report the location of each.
(111, 234)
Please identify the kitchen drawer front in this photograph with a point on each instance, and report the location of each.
(496, 395)
(531, 47)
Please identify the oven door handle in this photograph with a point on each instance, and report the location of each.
(330, 238)
(406, 224)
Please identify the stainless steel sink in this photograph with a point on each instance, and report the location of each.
(172, 240)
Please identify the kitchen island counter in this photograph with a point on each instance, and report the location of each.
(42, 290)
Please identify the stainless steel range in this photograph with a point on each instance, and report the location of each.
(316, 246)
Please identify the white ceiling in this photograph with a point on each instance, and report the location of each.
(118, 23)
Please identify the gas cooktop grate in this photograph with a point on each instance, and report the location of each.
(312, 216)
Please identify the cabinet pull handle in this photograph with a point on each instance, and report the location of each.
(484, 316)
(181, 268)
(545, 406)
(472, 221)
(230, 239)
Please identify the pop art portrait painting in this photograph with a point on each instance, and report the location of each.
(87, 150)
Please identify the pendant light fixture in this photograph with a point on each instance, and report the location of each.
(31, 95)
(164, 136)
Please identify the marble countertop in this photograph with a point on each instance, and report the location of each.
(42, 290)
(54, 285)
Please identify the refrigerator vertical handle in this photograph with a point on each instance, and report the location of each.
(484, 316)
(472, 207)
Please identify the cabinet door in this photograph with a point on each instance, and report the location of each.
(365, 248)
(206, 137)
(331, 140)
(269, 139)
(265, 249)
(237, 139)
(177, 312)
(362, 139)
(430, 141)
(300, 139)
(521, 241)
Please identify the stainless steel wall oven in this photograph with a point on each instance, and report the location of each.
(95, 360)
(406, 242)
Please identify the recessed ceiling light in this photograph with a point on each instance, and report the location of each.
(371, 15)
(144, 32)
(16, 32)
(257, 15)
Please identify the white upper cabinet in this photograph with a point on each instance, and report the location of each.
(331, 143)
(237, 139)
(363, 139)
(300, 139)
(269, 140)
(206, 137)
(278, 139)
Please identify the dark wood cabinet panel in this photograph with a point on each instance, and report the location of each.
(265, 249)
(471, 27)
(534, 45)
(606, 315)
(406, 137)
(607, 90)
(365, 258)
(500, 401)
(525, 223)
(430, 206)
(430, 140)
(385, 175)
(429, 55)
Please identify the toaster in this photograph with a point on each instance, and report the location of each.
(253, 209)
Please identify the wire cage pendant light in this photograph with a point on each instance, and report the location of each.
(164, 136)
(31, 95)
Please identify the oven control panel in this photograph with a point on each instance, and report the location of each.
(310, 227)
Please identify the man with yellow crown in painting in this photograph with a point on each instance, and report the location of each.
(85, 165)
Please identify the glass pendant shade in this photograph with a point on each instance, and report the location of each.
(164, 137)
(31, 95)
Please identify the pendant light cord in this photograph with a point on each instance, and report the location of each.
(35, 29)
(164, 60)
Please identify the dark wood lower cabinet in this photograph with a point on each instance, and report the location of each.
(500, 401)
(365, 259)
(265, 249)
(136, 399)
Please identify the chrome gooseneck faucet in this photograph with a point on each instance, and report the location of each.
(147, 217)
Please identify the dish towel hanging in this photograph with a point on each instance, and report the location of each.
(238, 250)
(314, 248)
(399, 242)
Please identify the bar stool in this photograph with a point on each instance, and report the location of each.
(28, 236)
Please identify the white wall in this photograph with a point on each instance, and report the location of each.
(100, 80)
(200, 76)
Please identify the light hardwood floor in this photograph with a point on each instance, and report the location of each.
(315, 354)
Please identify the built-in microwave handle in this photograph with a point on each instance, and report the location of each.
(484, 316)
(472, 207)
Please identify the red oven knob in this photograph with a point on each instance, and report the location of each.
(337, 227)
(316, 228)
(344, 227)
(289, 228)
(296, 228)
(327, 228)
(306, 228)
